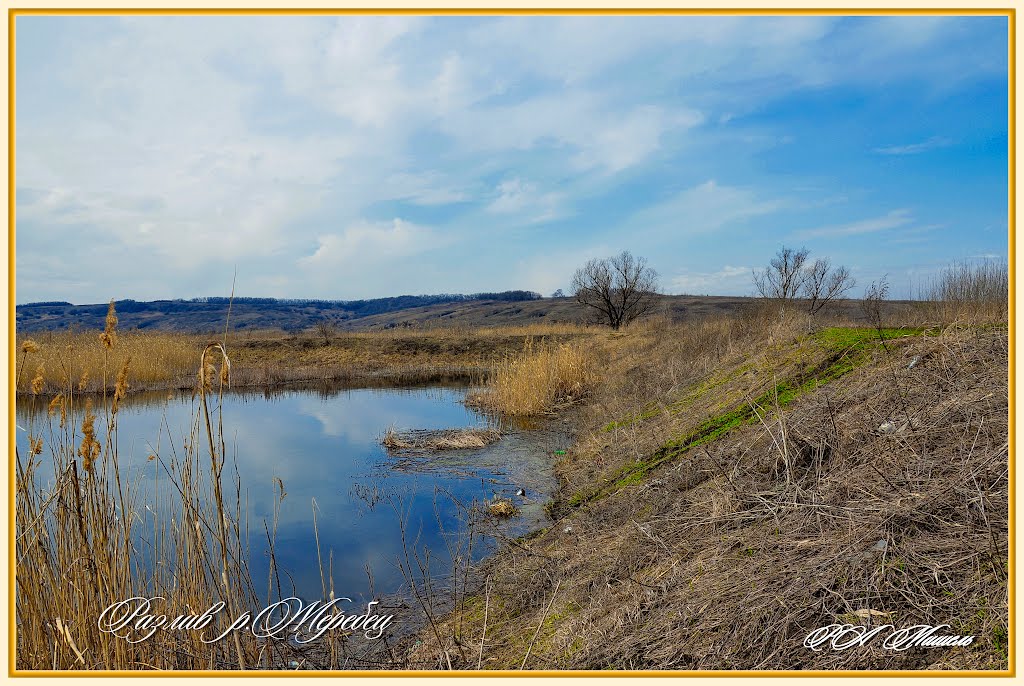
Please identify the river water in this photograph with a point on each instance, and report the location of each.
(324, 446)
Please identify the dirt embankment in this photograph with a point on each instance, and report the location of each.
(736, 487)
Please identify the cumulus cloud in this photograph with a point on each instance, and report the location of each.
(369, 242)
(195, 144)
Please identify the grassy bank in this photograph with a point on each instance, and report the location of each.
(739, 482)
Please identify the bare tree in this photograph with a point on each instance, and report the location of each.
(785, 275)
(790, 276)
(824, 284)
(621, 288)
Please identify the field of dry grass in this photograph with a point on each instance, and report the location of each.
(60, 360)
(401, 355)
(270, 358)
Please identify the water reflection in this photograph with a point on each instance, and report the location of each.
(324, 447)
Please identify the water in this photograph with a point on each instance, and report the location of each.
(324, 446)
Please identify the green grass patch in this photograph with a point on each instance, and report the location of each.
(701, 389)
(846, 349)
(861, 338)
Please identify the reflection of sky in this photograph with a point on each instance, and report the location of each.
(321, 448)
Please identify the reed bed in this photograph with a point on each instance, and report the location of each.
(266, 359)
(89, 535)
(541, 378)
(79, 359)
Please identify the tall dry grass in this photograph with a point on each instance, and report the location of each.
(541, 377)
(968, 291)
(267, 358)
(79, 359)
(88, 534)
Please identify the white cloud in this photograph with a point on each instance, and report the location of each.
(349, 65)
(427, 189)
(706, 207)
(915, 148)
(197, 143)
(162, 157)
(728, 279)
(891, 220)
(627, 141)
(369, 242)
(526, 200)
(596, 132)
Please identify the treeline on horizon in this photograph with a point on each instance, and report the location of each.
(360, 308)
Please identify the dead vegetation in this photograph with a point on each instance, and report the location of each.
(968, 291)
(738, 482)
(269, 359)
(540, 379)
(501, 507)
(89, 536)
(442, 439)
(742, 481)
(171, 542)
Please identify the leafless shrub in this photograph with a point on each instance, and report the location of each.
(326, 329)
(824, 284)
(784, 277)
(875, 296)
(968, 291)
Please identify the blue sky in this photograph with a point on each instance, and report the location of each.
(352, 157)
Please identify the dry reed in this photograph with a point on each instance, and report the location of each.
(159, 360)
(968, 292)
(88, 536)
(540, 378)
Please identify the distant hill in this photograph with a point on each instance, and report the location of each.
(208, 314)
(481, 309)
(546, 310)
